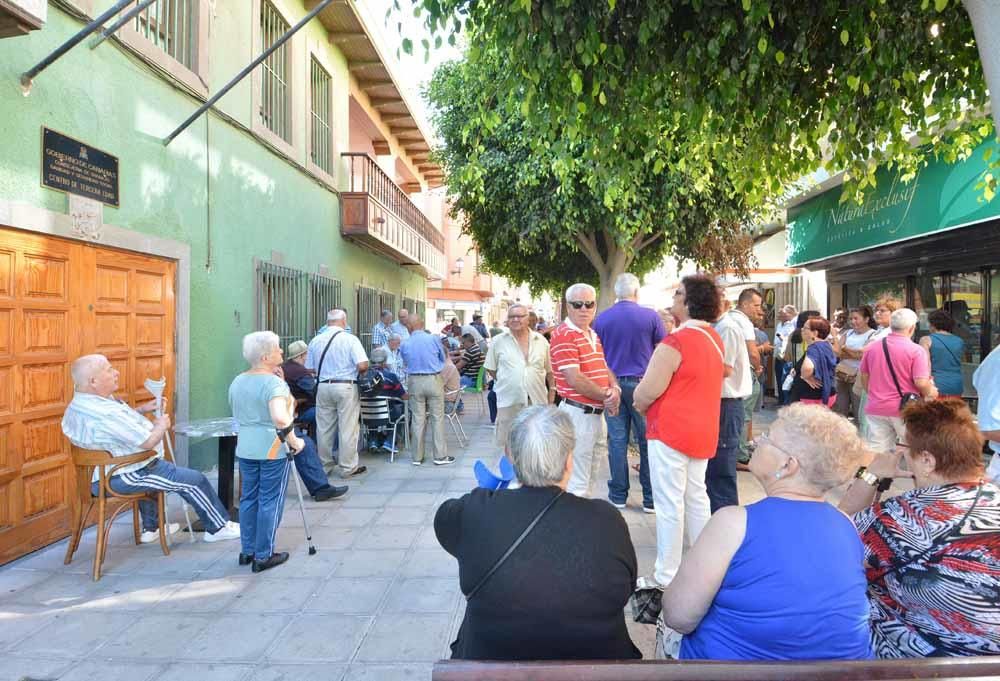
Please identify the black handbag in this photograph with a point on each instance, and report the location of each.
(904, 398)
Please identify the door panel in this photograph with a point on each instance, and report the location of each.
(60, 300)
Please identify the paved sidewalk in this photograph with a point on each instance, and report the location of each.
(380, 600)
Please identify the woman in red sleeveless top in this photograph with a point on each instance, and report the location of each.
(682, 392)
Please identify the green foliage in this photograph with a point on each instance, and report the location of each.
(527, 194)
(749, 95)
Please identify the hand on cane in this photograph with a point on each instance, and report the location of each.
(294, 442)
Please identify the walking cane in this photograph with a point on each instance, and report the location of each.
(282, 433)
(156, 390)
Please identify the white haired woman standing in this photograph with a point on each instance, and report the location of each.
(262, 403)
(561, 592)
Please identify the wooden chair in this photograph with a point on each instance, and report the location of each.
(107, 500)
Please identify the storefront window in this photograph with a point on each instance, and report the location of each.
(928, 295)
(995, 309)
(867, 292)
(966, 307)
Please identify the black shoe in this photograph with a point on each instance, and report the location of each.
(330, 492)
(246, 558)
(275, 560)
(445, 461)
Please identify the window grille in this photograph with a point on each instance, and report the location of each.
(408, 304)
(170, 25)
(280, 296)
(275, 100)
(324, 295)
(387, 301)
(368, 314)
(322, 137)
(420, 307)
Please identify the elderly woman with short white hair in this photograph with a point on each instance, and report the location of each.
(262, 404)
(783, 578)
(546, 574)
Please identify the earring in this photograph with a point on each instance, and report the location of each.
(777, 476)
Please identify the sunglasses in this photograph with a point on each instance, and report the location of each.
(577, 304)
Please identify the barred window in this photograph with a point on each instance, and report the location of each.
(324, 295)
(291, 302)
(368, 315)
(322, 137)
(275, 102)
(170, 25)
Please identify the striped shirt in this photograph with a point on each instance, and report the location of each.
(107, 423)
(473, 360)
(572, 347)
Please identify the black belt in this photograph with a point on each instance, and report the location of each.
(412, 374)
(629, 378)
(338, 380)
(587, 408)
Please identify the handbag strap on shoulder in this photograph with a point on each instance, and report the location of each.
(517, 542)
(892, 372)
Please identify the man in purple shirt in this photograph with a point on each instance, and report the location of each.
(629, 334)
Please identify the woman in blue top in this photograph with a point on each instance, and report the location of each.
(815, 373)
(781, 579)
(946, 350)
(261, 403)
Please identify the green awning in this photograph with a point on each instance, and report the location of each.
(941, 197)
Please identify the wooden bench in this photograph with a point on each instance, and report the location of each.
(669, 670)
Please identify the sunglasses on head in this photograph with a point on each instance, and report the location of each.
(577, 304)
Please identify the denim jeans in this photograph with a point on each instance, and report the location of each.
(720, 475)
(308, 416)
(627, 420)
(309, 466)
(491, 400)
(192, 485)
(261, 504)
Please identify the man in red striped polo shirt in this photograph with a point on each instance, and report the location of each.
(585, 384)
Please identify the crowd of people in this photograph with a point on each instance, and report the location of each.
(547, 569)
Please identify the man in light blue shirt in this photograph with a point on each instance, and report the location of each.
(401, 326)
(987, 383)
(424, 358)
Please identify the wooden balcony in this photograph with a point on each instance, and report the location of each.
(376, 213)
(19, 17)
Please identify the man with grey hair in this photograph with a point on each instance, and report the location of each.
(96, 419)
(585, 384)
(629, 334)
(425, 358)
(890, 370)
(395, 358)
(402, 325)
(782, 331)
(382, 330)
(518, 364)
(337, 357)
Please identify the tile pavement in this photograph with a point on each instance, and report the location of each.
(379, 600)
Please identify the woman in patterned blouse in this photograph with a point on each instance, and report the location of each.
(932, 554)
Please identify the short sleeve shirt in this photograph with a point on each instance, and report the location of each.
(987, 383)
(107, 423)
(909, 361)
(735, 330)
(341, 360)
(249, 399)
(519, 381)
(571, 348)
(473, 357)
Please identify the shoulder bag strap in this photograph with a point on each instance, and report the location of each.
(892, 372)
(948, 349)
(319, 367)
(712, 340)
(517, 542)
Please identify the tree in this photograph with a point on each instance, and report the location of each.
(770, 89)
(536, 215)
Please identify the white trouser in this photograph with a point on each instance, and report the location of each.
(681, 502)
(883, 432)
(338, 411)
(591, 448)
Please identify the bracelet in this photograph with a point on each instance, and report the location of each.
(866, 477)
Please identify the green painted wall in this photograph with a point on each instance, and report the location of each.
(239, 201)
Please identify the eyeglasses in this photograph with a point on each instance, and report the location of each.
(577, 304)
(903, 445)
(764, 438)
(516, 316)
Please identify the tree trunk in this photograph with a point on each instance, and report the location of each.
(608, 267)
(985, 16)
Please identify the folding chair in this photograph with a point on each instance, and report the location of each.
(107, 500)
(479, 389)
(376, 418)
(453, 417)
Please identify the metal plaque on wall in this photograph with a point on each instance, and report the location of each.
(71, 166)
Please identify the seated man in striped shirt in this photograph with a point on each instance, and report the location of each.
(585, 384)
(96, 419)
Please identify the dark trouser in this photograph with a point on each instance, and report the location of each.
(491, 400)
(261, 504)
(309, 466)
(628, 420)
(781, 369)
(720, 476)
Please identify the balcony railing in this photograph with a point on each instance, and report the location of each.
(377, 213)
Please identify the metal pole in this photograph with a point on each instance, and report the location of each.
(128, 16)
(28, 76)
(242, 74)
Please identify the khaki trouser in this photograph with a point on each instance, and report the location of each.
(505, 419)
(338, 411)
(590, 450)
(427, 407)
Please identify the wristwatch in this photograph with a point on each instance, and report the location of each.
(868, 478)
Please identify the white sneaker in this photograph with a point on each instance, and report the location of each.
(154, 535)
(230, 530)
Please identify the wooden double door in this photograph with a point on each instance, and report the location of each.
(60, 299)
